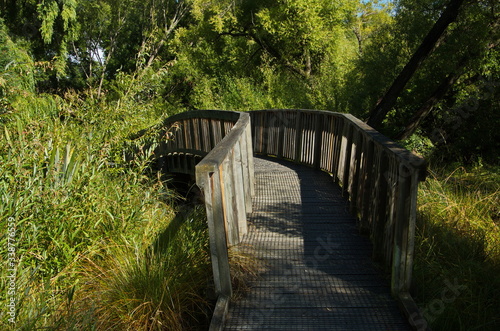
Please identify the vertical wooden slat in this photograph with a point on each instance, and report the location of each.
(354, 170)
(318, 140)
(346, 156)
(251, 175)
(210, 185)
(265, 133)
(298, 137)
(380, 206)
(192, 126)
(280, 127)
(339, 123)
(239, 191)
(392, 199)
(369, 175)
(259, 133)
(412, 220)
(222, 129)
(401, 230)
(227, 188)
(247, 192)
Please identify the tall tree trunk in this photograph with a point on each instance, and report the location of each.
(387, 102)
(427, 107)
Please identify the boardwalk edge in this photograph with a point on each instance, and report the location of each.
(220, 313)
(412, 312)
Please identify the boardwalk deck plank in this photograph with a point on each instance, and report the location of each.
(318, 272)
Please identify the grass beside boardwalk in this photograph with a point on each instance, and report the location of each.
(78, 221)
(457, 262)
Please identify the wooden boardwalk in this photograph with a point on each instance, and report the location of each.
(318, 271)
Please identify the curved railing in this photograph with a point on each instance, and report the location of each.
(379, 177)
(216, 146)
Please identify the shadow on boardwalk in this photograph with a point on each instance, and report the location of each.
(319, 274)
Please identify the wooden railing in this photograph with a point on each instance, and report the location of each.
(216, 146)
(379, 177)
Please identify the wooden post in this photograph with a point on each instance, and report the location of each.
(412, 221)
(354, 169)
(209, 182)
(192, 127)
(367, 184)
(379, 209)
(251, 169)
(346, 156)
(401, 230)
(227, 187)
(281, 133)
(247, 169)
(239, 190)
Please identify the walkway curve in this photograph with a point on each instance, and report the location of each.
(318, 274)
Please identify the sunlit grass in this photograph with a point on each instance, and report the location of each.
(65, 183)
(157, 287)
(457, 263)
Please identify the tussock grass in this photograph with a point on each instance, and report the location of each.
(457, 262)
(159, 287)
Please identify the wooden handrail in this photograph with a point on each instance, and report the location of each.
(216, 146)
(379, 177)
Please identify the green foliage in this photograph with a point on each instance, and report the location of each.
(419, 144)
(16, 72)
(461, 123)
(64, 181)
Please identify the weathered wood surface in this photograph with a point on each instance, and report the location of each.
(318, 272)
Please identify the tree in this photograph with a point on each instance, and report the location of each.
(387, 102)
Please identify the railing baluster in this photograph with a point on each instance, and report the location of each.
(239, 189)
(367, 185)
(354, 169)
(298, 137)
(318, 140)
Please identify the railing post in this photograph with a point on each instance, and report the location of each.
(366, 183)
(346, 155)
(401, 230)
(248, 167)
(281, 133)
(227, 187)
(239, 190)
(210, 184)
(354, 170)
(379, 203)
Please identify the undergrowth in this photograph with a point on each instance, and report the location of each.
(457, 258)
(91, 238)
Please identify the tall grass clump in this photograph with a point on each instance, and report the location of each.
(162, 286)
(457, 261)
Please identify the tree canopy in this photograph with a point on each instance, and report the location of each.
(334, 55)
